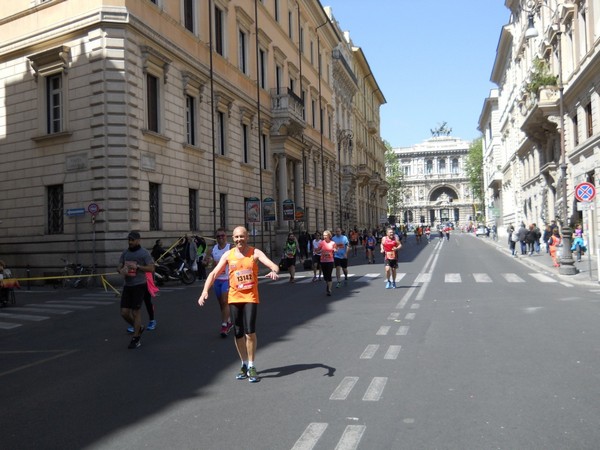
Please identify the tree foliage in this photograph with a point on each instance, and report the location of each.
(474, 169)
(395, 179)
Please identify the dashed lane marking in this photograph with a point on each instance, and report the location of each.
(310, 436)
(344, 388)
(375, 389)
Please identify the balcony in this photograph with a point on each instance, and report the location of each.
(363, 174)
(287, 109)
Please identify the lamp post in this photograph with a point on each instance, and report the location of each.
(566, 262)
(343, 137)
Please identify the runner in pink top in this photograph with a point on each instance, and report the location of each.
(326, 249)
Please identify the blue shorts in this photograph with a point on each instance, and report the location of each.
(221, 287)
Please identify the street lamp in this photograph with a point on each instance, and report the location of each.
(343, 137)
(566, 261)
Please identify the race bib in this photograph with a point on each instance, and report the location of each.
(244, 279)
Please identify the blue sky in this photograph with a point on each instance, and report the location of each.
(432, 60)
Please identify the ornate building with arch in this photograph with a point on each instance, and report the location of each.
(436, 186)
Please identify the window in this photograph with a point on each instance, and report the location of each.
(223, 210)
(455, 165)
(50, 70)
(154, 206)
(243, 52)
(315, 173)
(221, 133)
(245, 149)
(55, 199)
(54, 92)
(262, 68)
(190, 120)
(429, 168)
(575, 131)
(442, 166)
(313, 108)
(188, 14)
(290, 24)
(588, 120)
(265, 141)
(219, 31)
(152, 87)
(193, 208)
(304, 170)
(277, 11)
(278, 78)
(406, 170)
(301, 41)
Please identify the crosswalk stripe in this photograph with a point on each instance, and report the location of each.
(8, 326)
(383, 330)
(482, 278)
(423, 278)
(63, 304)
(452, 278)
(402, 331)
(343, 389)
(370, 351)
(33, 309)
(32, 317)
(513, 278)
(351, 437)
(375, 389)
(310, 436)
(543, 278)
(392, 352)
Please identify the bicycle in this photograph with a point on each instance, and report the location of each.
(75, 275)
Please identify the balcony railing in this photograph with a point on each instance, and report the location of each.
(285, 104)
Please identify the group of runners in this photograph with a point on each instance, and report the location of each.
(235, 279)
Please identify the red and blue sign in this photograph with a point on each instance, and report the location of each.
(585, 192)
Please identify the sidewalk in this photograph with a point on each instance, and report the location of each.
(544, 262)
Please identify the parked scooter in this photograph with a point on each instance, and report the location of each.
(177, 269)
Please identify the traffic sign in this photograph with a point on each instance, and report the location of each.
(585, 192)
(93, 208)
(72, 212)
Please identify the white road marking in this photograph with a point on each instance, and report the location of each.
(452, 278)
(375, 389)
(310, 436)
(423, 278)
(482, 278)
(383, 330)
(344, 388)
(370, 351)
(542, 278)
(8, 326)
(31, 318)
(351, 437)
(513, 278)
(402, 331)
(410, 316)
(392, 352)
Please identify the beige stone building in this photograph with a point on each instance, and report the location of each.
(436, 186)
(179, 116)
(526, 167)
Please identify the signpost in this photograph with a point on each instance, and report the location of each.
(586, 192)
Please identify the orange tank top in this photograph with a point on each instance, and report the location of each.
(243, 277)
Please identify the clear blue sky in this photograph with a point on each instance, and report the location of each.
(432, 60)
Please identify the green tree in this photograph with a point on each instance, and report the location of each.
(474, 169)
(395, 178)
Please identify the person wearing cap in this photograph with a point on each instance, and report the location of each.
(134, 262)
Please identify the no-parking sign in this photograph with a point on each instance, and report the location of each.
(585, 192)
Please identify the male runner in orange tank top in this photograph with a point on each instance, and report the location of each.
(243, 296)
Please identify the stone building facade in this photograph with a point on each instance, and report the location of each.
(436, 186)
(174, 117)
(528, 173)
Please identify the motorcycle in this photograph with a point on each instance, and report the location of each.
(177, 269)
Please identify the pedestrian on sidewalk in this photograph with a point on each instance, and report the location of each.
(513, 237)
(554, 242)
(546, 237)
(241, 262)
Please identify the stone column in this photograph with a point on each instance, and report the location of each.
(298, 183)
(282, 188)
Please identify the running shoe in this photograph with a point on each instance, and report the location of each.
(314, 279)
(130, 330)
(338, 285)
(243, 373)
(225, 329)
(388, 285)
(151, 325)
(393, 285)
(135, 343)
(328, 291)
(252, 375)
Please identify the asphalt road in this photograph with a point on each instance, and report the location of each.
(473, 350)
